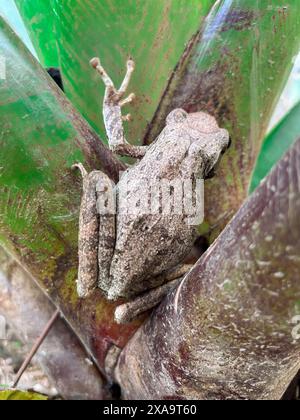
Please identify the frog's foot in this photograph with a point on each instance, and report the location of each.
(113, 102)
(129, 311)
(115, 96)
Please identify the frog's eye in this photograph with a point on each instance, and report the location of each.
(176, 116)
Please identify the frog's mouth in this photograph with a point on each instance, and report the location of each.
(228, 146)
(214, 170)
(212, 173)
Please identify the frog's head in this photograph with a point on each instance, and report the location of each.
(205, 131)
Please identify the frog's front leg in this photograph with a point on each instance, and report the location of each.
(128, 311)
(113, 119)
(96, 231)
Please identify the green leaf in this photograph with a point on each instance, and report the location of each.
(9, 11)
(39, 19)
(276, 144)
(9, 395)
(153, 32)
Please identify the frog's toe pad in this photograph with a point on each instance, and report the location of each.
(122, 316)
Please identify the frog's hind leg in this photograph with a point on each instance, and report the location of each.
(94, 234)
(113, 102)
(106, 206)
(128, 311)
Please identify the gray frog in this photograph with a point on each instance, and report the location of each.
(138, 255)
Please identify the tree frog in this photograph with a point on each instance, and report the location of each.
(136, 252)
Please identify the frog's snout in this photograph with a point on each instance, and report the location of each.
(226, 140)
(227, 145)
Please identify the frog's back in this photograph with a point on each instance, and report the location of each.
(148, 242)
